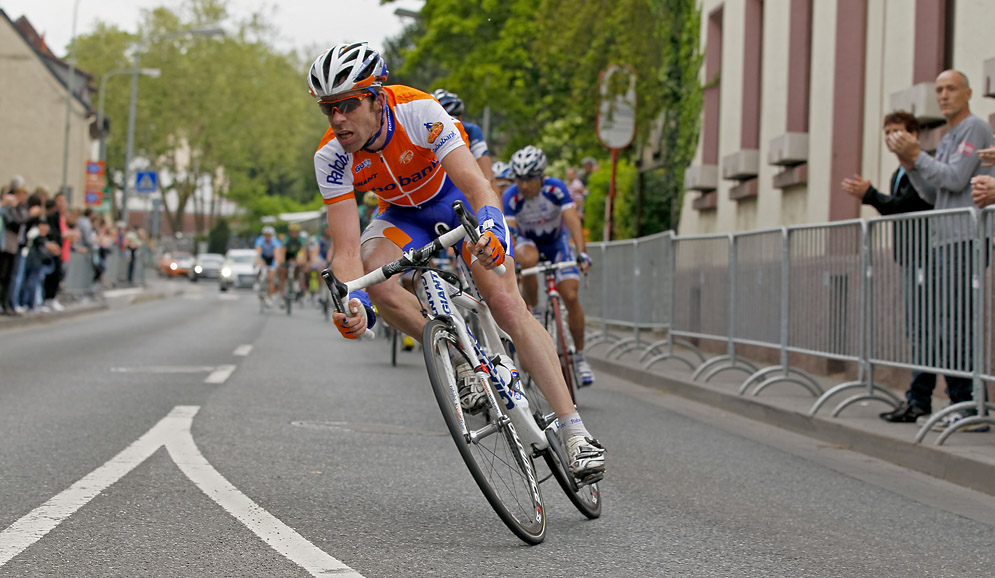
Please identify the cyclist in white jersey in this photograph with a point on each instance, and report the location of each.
(543, 213)
(400, 143)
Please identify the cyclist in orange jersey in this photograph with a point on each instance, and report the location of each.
(401, 144)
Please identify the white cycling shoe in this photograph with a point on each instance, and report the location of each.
(472, 396)
(585, 372)
(587, 457)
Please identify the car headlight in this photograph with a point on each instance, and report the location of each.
(226, 272)
(198, 269)
(172, 266)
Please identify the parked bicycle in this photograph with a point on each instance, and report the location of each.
(554, 321)
(498, 444)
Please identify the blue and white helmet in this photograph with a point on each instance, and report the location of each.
(528, 162)
(501, 170)
(449, 101)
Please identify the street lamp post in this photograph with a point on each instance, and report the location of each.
(70, 81)
(102, 152)
(134, 98)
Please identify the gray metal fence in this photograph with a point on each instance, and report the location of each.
(914, 291)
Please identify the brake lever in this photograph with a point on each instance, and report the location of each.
(470, 224)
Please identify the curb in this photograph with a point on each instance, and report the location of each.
(44, 318)
(930, 460)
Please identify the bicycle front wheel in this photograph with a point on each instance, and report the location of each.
(493, 453)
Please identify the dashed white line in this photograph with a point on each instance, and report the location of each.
(220, 374)
(173, 431)
(242, 350)
(163, 369)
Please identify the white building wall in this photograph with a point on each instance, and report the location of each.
(974, 29)
(766, 209)
(33, 107)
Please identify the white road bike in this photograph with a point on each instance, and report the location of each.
(499, 443)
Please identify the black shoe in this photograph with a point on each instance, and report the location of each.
(904, 413)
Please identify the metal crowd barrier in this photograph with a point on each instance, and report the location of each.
(650, 294)
(913, 291)
(700, 304)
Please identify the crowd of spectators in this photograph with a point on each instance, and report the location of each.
(41, 239)
(960, 175)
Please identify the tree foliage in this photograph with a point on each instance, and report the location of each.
(537, 66)
(227, 113)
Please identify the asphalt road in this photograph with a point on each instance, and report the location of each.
(151, 440)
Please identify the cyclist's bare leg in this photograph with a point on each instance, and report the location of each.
(270, 281)
(532, 343)
(528, 256)
(397, 306)
(575, 313)
(282, 277)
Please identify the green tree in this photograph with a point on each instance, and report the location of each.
(228, 113)
(537, 65)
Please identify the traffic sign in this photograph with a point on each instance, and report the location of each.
(146, 182)
(96, 180)
(617, 109)
(93, 198)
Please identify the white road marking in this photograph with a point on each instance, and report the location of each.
(221, 374)
(163, 369)
(173, 431)
(242, 350)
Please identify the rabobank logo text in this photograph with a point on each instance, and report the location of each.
(337, 169)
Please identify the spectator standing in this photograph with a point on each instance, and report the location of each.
(577, 190)
(947, 180)
(13, 207)
(983, 186)
(56, 216)
(590, 165)
(904, 198)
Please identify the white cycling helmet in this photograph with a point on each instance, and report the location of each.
(528, 162)
(501, 170)
(268, 230)
(346, 67)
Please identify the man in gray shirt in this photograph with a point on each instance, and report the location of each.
(946, 180)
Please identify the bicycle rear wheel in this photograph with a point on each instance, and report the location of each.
(556, 328)
(496, 459)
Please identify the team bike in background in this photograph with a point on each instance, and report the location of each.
(554, 320)
(500, 443)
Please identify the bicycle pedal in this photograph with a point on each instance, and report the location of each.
(591, 479)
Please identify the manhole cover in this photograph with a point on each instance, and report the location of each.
(378, 428)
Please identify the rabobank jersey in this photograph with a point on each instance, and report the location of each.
(539, 218)
(478, 146)
(268, 249)
(408, 170)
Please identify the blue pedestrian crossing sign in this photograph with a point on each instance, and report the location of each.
(146, 182)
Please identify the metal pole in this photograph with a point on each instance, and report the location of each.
(131, 138)
(70, 81)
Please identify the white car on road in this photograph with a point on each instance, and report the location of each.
(239, 269)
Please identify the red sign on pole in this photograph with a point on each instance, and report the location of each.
(96, 180)
(616, 123)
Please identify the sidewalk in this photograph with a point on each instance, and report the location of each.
(154, 288)
(966, 459)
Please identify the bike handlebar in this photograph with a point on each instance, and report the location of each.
(547, 267)
(340, 291)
